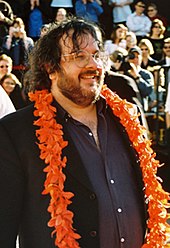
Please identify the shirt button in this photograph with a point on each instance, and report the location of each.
(93, 234)
(92, 197)
(122, 240)
(90, 134)
(112, 181)
(119, 210)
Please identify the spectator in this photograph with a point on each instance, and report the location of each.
(152, 12)
(151, 65)
(5, 65)
(13, 88)
(61, 15)
(17, 45)
(44, 29)
(35, 22)
(156, 36)
(6, 20)
(89, 9)
(121, 10)
(138, 22)
(148, 62)
(117, 39)
(143, 78)
(165, 64)
(6, 106)
(131, 40)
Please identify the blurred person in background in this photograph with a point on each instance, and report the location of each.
(6, 20)
(156, 36)
(138, 22)
(165, 65)
(131, 40)
(152, 12)
(5, 65)
(121, 10)
(61, 15)
(143, 78)
(13, 88)
(151, 65)
(17, 45)
(89, 9)
(117, 39)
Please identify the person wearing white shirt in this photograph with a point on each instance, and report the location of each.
(6, 106)
(121, 10)
(138, 22)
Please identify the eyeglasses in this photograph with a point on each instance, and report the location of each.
(2, 66)
(82, 58)
(167, 47)
(150, 10)
(141, 6)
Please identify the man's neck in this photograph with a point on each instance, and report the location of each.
(77, 112)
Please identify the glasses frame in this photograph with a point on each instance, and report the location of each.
(99, 57)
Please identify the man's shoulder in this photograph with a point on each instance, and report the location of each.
(21, 118)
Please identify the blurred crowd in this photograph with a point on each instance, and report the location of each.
(136, 39)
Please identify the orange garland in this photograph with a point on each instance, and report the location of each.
(51, 143)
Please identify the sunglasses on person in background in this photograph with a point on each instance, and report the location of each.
(144, 49)
(141, 6)
(166, 47)
(2, 66)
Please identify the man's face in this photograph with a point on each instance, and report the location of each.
(80, 80)
(140, 7)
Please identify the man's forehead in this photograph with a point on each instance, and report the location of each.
(83, 41)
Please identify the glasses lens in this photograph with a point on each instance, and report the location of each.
(150, 10)
(82, 58)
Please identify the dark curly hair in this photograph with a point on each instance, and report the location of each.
(46, 55)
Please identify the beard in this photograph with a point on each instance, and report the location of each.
(77, 93)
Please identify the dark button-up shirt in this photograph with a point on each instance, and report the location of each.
(113, 179)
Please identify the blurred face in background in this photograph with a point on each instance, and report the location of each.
(166, 49)
(60, 15)
(5, 67)
(145, 51)
(137, 60)
(151, 11)
(140, 7)
(131, 41)
(8, 85)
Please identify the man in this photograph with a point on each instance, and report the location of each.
(102, 170)
(143, 78)
(138, 22)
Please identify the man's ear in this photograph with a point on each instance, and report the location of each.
(53, 76)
